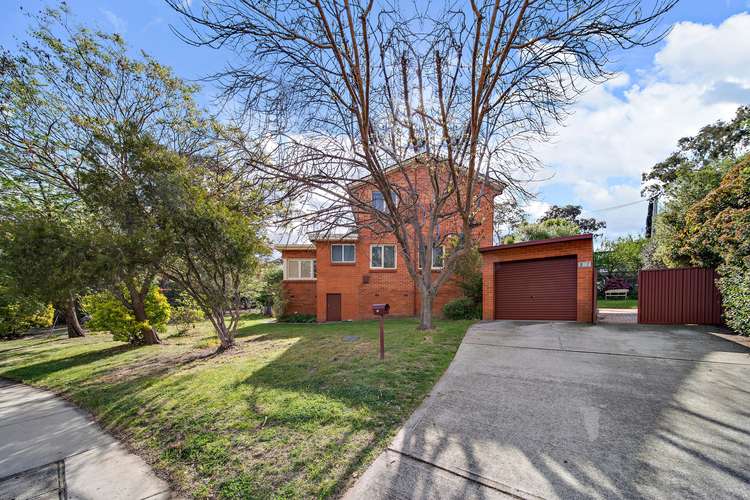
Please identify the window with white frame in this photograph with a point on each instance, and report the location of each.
(300, 269)
(438, 254)
(342, 253)
(383, 256)
(378, 200)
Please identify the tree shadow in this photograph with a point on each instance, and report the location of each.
(315, 378)
(570, 411)
(43, 368)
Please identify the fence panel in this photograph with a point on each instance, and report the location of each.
(679, 296)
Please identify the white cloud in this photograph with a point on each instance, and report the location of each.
(622, 128)
(536, 208)
(118, 24)
(703, 52)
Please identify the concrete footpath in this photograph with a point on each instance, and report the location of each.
(51, 449)
(567, 410)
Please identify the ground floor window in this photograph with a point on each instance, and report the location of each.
(300, 269)
(383, 256)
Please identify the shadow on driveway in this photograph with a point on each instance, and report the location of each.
(564, 410)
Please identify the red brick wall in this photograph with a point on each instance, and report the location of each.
(360, 286)
(300, 294)
(300, 297)
(582, 248)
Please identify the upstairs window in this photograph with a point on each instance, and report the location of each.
(378, 200)
(383, 256)
(300, 269)
(342, 253)
(438, 254)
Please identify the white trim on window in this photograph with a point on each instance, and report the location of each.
(419, 258)
(442, 257)
(293, 269)
(343, 253)
(382, 256)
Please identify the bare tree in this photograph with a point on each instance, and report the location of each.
(348, 91)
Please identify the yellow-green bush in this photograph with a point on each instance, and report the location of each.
(110, 314)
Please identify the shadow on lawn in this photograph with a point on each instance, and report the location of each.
(320, 379)
(44, 368)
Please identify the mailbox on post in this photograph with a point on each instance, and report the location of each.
(381, 310)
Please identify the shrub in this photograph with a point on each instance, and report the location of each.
(109, 314)
(17, 315)
(185, 313)
(468, 271)
(462, 308)
(734, 285)
(297, 318)
(617, 283)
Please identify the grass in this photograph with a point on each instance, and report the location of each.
(295, 411)
(617, 303)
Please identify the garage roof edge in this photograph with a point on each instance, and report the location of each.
(562, 239)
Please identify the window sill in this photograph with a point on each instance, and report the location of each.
(300, 279)
(381, 270)
(343, 263)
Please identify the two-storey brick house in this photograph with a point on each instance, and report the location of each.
(340, 277)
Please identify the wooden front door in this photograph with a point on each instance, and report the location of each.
(333, 307)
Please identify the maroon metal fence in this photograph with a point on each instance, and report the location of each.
(679, 296)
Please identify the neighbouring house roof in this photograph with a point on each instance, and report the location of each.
(333, 236)
(561, 239)
(294, 246)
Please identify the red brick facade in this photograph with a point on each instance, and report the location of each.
(300, 295)
(359, 285)
(580, 246)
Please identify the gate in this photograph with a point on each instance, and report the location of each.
(679, 296)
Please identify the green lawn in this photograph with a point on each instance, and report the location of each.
(617, 303)
(295, 411)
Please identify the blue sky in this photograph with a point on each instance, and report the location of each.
(699, 74)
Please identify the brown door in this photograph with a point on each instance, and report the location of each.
(542, 289)
(333, 307)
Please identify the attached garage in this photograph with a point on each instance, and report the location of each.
(548, 280)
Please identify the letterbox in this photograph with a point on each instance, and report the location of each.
(380, 309)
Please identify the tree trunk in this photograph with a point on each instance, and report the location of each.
(71, 320)
(226, 338)
(425, 312)
(150, 336)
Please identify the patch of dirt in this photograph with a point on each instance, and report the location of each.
(156, 366)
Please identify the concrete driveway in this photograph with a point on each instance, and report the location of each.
(564, 410)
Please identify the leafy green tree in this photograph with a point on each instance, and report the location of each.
(550, 228)
(572, 213)
(711, 145)
(216, 249)
(717, 229)
(49, 261)
(622, 255)
(687, 188)
(717, 234)
(80, 118)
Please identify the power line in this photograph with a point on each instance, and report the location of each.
(644, 200)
